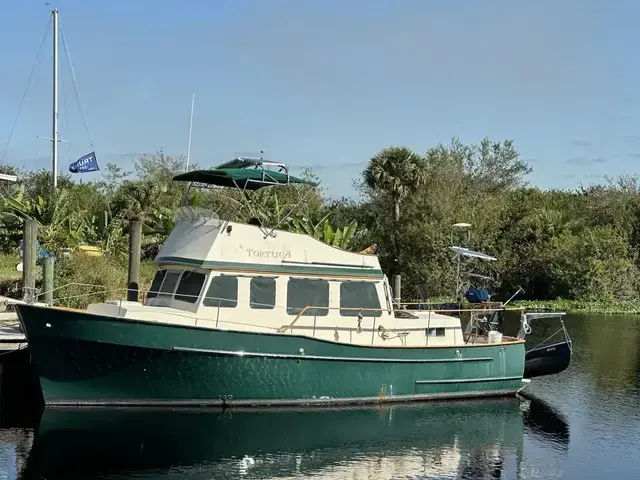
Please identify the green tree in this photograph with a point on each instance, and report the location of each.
(396, 171)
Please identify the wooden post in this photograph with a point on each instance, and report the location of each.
(29, 260)
(47, 280)
(396, 289)
(135, 246)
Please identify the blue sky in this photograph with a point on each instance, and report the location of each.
(327, 84)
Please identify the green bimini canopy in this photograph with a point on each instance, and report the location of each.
(243, 173)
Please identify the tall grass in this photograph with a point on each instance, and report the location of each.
(8, 266)
(81, 279)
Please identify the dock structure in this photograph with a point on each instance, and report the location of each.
(11, 339)
(11, 335)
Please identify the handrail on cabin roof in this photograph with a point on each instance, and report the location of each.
(284, 328)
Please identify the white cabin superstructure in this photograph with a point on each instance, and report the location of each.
(233, 276)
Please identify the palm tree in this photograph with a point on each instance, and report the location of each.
(138, 200)
(397, 171)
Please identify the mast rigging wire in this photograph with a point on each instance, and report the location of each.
(74, 81)
(26, 90)
(66, 118)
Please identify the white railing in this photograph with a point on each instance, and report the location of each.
(363, 323)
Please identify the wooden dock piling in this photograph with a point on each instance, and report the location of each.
(47, 280)
(135, 247)
(397, 296)
(29, 259)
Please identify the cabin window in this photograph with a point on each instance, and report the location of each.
(222, 292)
(435, 332)
(359, 295)
(262, 293)
(156, 283)
(169, 283)
(190, 286)
(306, 292)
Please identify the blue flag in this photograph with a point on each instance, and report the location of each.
(87, 163)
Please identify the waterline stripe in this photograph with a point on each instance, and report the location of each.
(286, 356)
(252, 403)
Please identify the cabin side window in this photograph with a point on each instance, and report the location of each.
(222, 292)
(169, 283)
(435, 332)
(262, 293)
(190, 286)
(307, 292)
(355, 295)
(156, 283)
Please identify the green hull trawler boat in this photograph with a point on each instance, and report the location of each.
(242, 315)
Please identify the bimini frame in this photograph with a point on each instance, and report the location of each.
(246, 174)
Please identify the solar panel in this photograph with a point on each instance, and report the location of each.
(465, 252)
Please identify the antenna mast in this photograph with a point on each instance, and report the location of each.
(193, 99)
(460, 290)
(55, 100)
(55, 139)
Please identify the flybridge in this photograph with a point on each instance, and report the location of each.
(246, 175)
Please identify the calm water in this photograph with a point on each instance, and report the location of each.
(582, 424)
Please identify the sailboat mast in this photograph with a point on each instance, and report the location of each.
(193, 99)
(55, 101)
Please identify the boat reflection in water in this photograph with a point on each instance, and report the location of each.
(449, 439)
(545, 423)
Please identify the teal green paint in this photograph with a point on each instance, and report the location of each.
(209, 444)
(262, 268)
(87, 358)
(236, 174)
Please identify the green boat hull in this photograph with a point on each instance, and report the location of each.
(86, 359)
